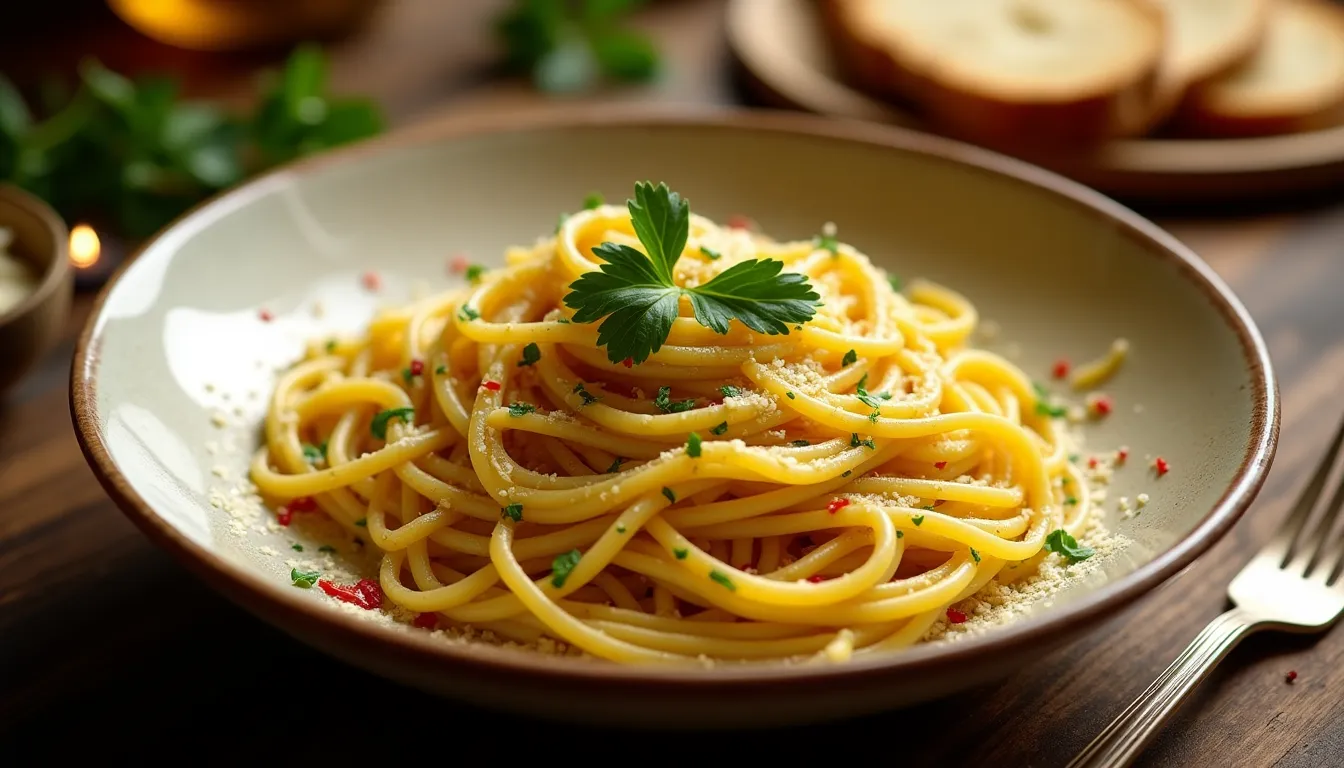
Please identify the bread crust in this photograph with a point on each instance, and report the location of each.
(1215, 110)
(1125, 104)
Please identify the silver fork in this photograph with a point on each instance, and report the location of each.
(1292, 585)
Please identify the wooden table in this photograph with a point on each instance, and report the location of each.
(105, 643)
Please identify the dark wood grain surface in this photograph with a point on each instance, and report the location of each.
(106, 644)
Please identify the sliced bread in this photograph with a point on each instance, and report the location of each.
(1293, 82)
(1209, 37)
(1009, 73)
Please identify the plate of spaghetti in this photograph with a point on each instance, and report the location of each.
(667, 414)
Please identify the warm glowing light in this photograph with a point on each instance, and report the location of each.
(84, 246)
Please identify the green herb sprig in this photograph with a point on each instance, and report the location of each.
(639, 299)
(568, 46)
(132, 154)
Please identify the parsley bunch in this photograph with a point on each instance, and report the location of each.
(565, 45)
(640, 300)
(130, 153)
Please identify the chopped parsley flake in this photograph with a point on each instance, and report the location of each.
(326, 548)
(406, 375)
(722, 580)
(827, 241)
(693, 445)
(1070, 501)
(720, 429)
(331, 346)
(562, 565)
(730, 391)
(870, 400)
(670, 494)
(593, 200)
(441, 370)
(474, 272)
(304, 579)
(1060, 542)
(517, 410)
(872, 417)
(465, 313)
(900, 534)
(514, 512)
(855, 442)
(975, 554)
(620, 527)
(847, 473)
(680, 552)
(851, 357)
(615, 465)
(665, 404)
(583, 394)
(790, 395)
(895, 282)
(313, 454)
(296, 547)
(710, 253)
(380, 421)
(800, 443)
(531, 354)
(362, 522)
(918, 520)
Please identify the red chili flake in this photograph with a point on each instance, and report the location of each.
(1102, 405)
(417, 367)
(1291, 676)
(816, 578)
(284, 516)
(371, 281)
(302, 504)
(955, 616)
(459, 263)
(493, 386)
(426, 621)
(836, 505)
(1161, 466)
(265, 316)
(940, 465)
(738, 221)
(1061, 369)
(1121, 455)
(628, 362)
(1092, 462)
(370, 591)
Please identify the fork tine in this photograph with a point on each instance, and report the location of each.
(1285, 542)
(1321, 539)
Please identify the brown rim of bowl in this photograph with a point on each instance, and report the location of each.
(347, 631)
(53, 276)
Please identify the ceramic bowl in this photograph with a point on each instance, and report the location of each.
(172, 372)
(32, 327)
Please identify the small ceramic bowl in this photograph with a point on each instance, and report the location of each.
(32, 327)
(173, 372)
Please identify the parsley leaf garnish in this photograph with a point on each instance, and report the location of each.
(562, 565)
(517, 410)
(730, 391)
(1060, 542)
(379, 425)
(666, 405)
(918, 520)
(719, 429)
(851, 357)
(870, 400)
(514, 512)
(639, 299)
(531, 354)
(304, 579)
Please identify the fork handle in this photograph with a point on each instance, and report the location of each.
(1128, 734)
